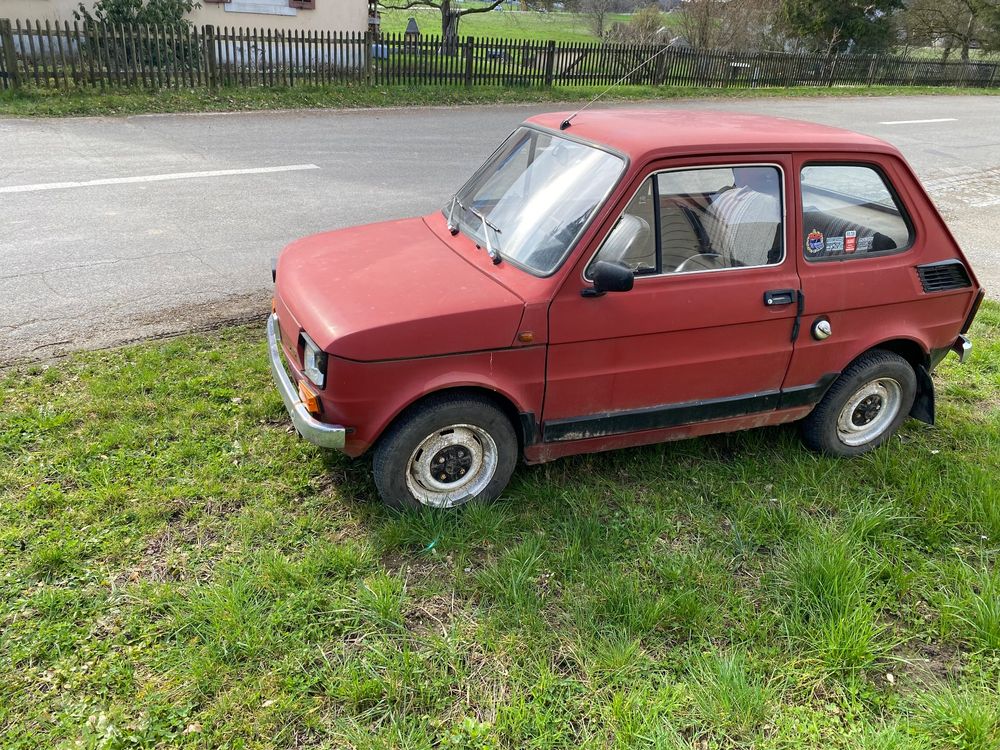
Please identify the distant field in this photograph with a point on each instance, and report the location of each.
(933, 53)
(510, 24)
(576, 27)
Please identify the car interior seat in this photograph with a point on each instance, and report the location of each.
(678, 236)
(631, 241)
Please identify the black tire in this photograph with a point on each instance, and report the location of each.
(880, 371)
(472, 421)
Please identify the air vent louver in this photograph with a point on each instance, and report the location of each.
(943, 276)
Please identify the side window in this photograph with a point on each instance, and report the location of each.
(848, 211)
(700, 219)
(723, 217)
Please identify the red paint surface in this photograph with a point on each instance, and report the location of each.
(405, 309)
(394, 291)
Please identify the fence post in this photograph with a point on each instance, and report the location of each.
(660, 71)
(550, 63)
(10, 56)
(369, 62)
(468, 61)
(833, 70)
(212, 54)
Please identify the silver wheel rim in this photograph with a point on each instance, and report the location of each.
(451, 466)
(869, 412)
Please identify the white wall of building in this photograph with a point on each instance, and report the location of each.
(329, 15)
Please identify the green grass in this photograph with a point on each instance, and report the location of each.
(937, 54)
(729, 698)
(178, 570)
(506, 24)
(48, 103)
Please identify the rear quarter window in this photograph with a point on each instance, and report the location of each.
(850, 211)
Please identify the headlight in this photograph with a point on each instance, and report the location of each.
(313, 361)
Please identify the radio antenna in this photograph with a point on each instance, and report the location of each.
(565, 123)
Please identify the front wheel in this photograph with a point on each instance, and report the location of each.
(445, 452)
(864, 407)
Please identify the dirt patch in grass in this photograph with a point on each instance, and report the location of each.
(924, 664)
(168, 556)
(435, 613)
(418, 568)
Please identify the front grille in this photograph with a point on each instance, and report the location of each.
(943, 276)
(288, 332)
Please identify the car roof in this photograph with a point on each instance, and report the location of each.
(640, 133)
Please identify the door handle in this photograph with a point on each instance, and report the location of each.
(780, 297)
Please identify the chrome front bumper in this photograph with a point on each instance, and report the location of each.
(316, 432)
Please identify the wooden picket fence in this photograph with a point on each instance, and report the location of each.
(87, 55)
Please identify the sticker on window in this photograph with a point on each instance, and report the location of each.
(835, 245)
(814, 241)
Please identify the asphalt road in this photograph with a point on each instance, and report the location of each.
(117, 229)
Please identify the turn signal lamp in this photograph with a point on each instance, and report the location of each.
(309, 398)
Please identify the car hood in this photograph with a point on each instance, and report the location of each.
(393, 290)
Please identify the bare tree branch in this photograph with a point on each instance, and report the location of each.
(484, 9)
(409, 5)
(450, 16)
(432, 4)
(953, 24)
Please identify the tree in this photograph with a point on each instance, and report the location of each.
(730, 24)
(153, 12)
(597, 14)
(642, 28)
(831, 26)
(954, 23)
(168, 13)
(699, 22)
(450, 16)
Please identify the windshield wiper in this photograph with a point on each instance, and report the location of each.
(452, 227)
(493, 252)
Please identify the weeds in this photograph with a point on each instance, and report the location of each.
(177, 570)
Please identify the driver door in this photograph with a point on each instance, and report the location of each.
(706, 331)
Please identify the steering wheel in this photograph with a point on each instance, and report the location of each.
(701, 257)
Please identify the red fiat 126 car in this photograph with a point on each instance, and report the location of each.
(620, 278)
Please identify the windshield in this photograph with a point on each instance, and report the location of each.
(537, 193)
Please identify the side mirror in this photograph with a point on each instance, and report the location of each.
(609, 277)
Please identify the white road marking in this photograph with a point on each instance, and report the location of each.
(917, 122)
(153, 178)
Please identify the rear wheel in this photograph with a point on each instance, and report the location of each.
(445, 452)
(864, 407)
